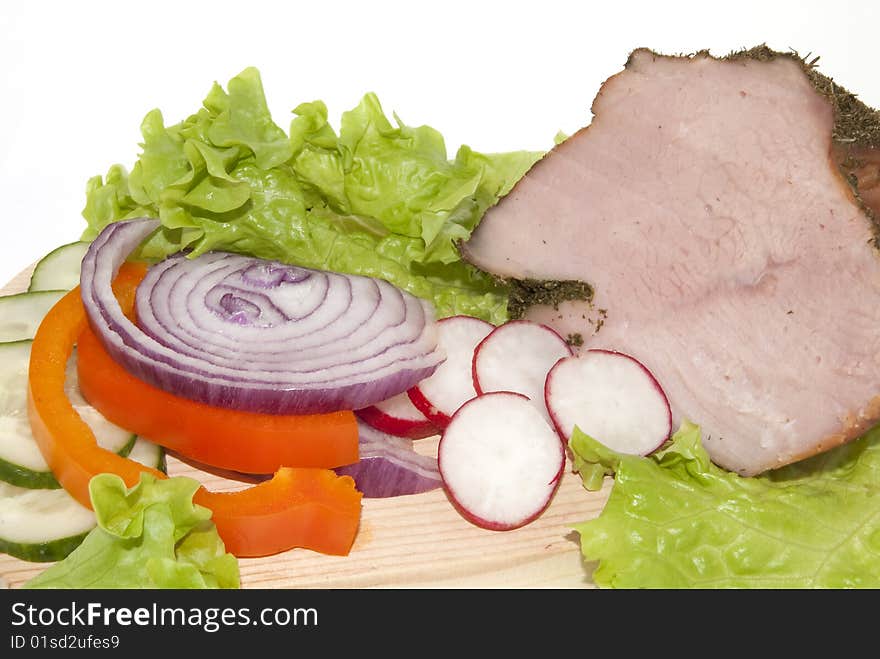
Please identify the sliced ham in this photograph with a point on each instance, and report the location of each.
(725, 248)
(863, 163)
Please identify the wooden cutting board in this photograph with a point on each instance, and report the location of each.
(416, 541)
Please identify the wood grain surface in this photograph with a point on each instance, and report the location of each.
(416, 541)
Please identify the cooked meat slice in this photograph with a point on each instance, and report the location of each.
(863, 164)
(725, 249)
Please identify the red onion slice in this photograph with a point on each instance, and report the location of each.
(256, 335)
(389, 466)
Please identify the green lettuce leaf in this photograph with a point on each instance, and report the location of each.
(151, 536)
(377, 198)
(676, 520)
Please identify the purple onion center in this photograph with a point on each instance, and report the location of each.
(272, 275)
(238, 310)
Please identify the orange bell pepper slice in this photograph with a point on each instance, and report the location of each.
(230, 439)
(304, 507)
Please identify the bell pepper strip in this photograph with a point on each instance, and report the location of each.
(306, 507)
(314, 508)
(229, 439)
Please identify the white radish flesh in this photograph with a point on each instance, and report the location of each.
(398, 416)
(610, 396)
(517, 356)
(439, 396)
(500, 461)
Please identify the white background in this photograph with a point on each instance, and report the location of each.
(76, 78)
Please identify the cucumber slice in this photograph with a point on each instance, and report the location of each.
(46, 525)
(59, 269)
(22, 313)
(126, 450)
(41, 525)
(148, 454)
(21, 462)
(39, 521)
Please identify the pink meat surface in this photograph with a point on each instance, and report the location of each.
(726, 251)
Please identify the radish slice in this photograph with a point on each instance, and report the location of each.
(398, 416)
(611, 397)
(517, 356)
(500, 461)
(440, 395)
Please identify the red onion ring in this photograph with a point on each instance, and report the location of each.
(389, 466)
(246, 333)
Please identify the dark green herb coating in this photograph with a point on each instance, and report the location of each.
(576, 340)
(525, 293)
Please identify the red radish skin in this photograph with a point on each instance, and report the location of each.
(517, 356)
(501, 462)
(610, 396)
(440, 395)
(398, 416)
